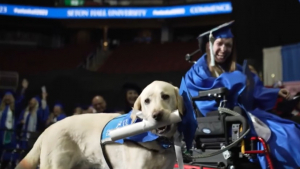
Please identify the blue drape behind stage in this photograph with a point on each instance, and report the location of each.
(291, 62)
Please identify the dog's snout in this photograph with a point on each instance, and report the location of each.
(157, 115)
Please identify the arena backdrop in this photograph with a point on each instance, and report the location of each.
(79, 86)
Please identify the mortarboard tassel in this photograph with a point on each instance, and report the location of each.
(211, 41)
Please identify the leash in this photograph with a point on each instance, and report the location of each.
(104, 153)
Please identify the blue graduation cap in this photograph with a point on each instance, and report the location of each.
(58, 104)
(222, 31)
(8, 93)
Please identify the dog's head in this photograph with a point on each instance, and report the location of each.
(157, 101)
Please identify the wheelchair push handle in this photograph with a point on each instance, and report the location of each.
(240, 119)
(188, 57)
(212, 94)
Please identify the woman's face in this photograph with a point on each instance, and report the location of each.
(222, 49)
(57, 110)
(77, 110)
(8, 99)
(131, 96)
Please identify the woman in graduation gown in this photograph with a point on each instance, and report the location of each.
(218, 68)
(10, 109)
(33, 119)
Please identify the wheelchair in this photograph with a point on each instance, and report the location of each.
(220, 141)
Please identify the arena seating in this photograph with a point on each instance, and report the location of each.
(146, 58)
(40, 60)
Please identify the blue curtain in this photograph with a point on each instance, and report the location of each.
(291, 62)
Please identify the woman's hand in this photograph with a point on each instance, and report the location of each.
(25, 83)
(50, 119)
(44, 95)
(284, 93)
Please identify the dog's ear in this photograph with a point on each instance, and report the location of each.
(137, 106)
(179, 101)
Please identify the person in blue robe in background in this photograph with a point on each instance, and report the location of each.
(33, 119)
(78, 110)
(10, 109)
(218, 68)
(57, 115)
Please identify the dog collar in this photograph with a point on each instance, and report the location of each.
(164, 142)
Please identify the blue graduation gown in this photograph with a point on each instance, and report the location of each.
(285, 154)
(8, 139)
(18, 108)
(42, 116)
(60, 117)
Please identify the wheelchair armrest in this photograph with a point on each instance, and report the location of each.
(212, 94)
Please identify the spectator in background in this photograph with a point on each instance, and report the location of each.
(78, 110)
(9, 111)
(100, 106)
(57, 115)
(35, 116)
(131, 93)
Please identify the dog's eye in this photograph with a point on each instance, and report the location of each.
(147, 101)
(165, 96)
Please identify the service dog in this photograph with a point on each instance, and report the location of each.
(75, 141)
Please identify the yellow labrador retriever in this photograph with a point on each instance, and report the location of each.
(75, 141)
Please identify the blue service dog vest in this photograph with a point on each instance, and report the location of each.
(125, 120)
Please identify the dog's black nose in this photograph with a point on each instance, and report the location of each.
(157, 115)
